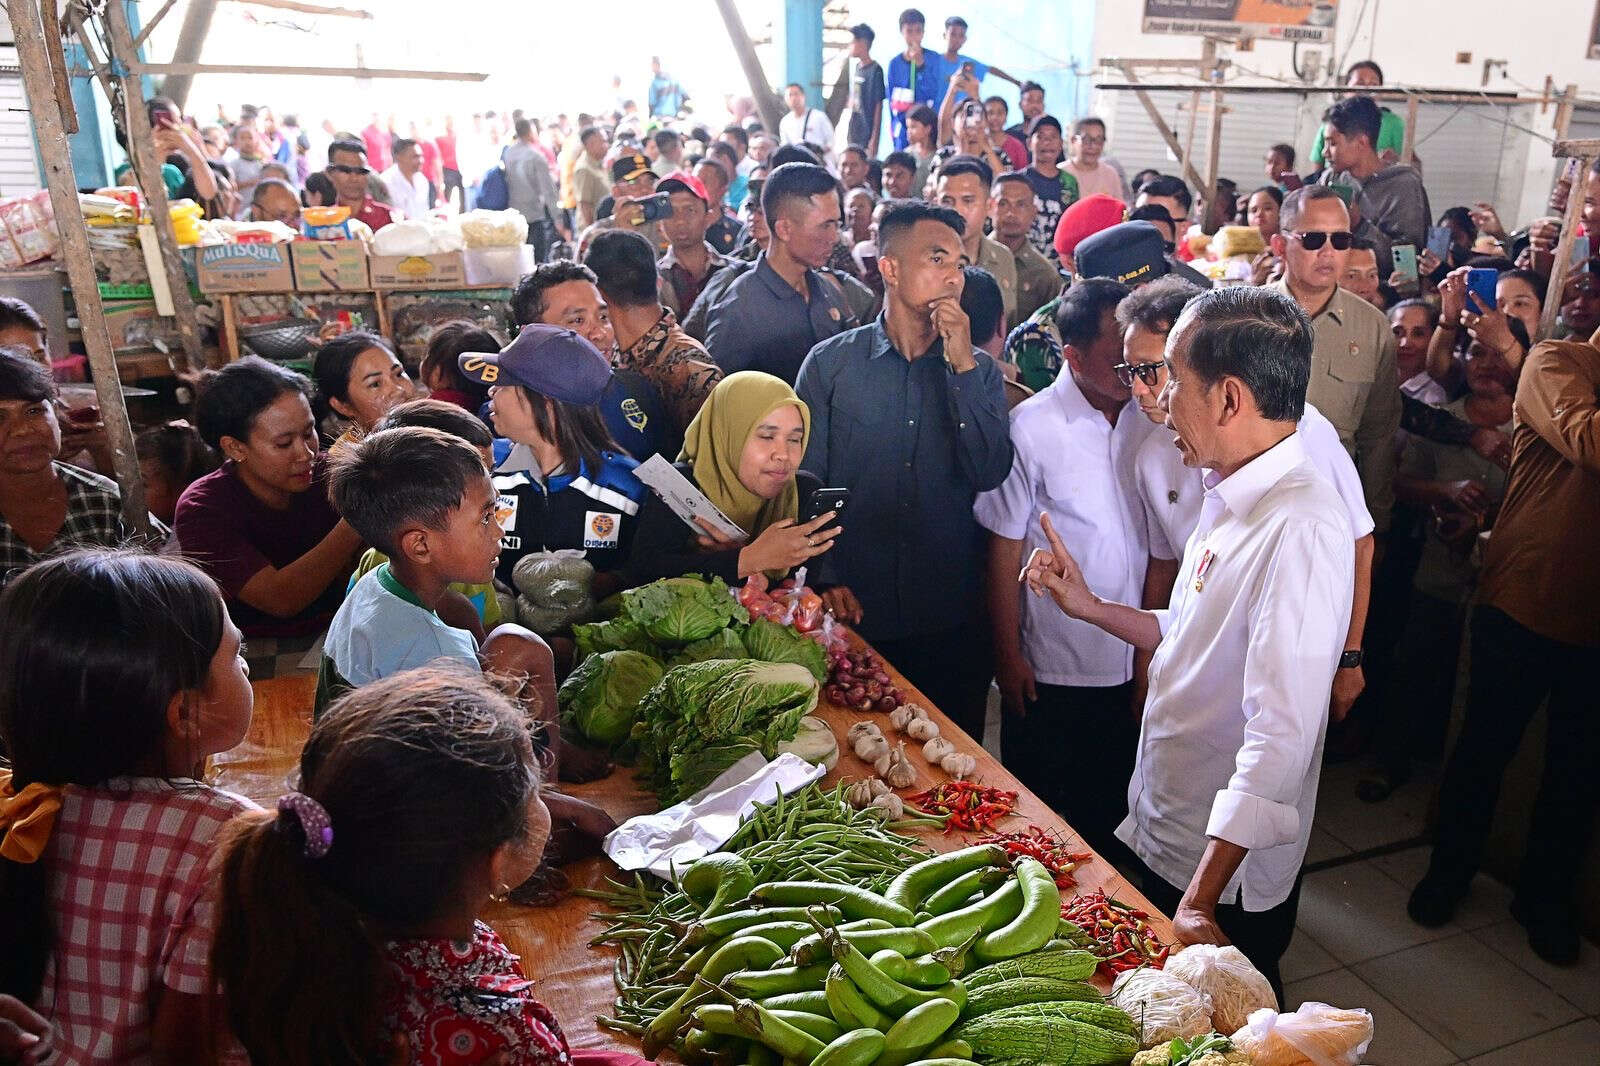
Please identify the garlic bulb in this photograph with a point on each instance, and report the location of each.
(863, 729)
(883, 762)
(936, 749)
(922, 729)
(902, 716)
(900, 774)
(859, 793)
(892, 806)
(872, 748)
(959, 766)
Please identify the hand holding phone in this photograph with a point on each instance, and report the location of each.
(1404, 274)
(1481, 282)
(1439, 242)
(824, 500)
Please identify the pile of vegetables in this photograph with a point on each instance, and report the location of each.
(964, 805)
(1050, 850)
(553, 590)
(1120, 935)
(701, 718)
(953, 961)
(859, 680)
(676, 680)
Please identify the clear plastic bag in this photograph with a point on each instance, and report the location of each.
(1314, 1035)
(1163, 1005)
(1237, 989)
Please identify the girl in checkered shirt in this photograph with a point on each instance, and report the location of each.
(120, 673)
(348, 925)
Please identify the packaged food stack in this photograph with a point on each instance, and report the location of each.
(186, 221)
(333, 224)
(112, 222)
(27, 234)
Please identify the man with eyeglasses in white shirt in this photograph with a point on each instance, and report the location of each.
(1230, 751)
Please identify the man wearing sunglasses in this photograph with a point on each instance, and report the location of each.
(348, 170)
(1352, 377)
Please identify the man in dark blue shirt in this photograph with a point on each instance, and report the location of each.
(770, 317)
(912, 420)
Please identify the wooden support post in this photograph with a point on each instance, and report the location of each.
(1161, 126)
(767, 103)
(1569, 226)
(1213, 155)
(33, 56)
(1563, 119)
(1408, 153)
(51, 19)
(147, 171)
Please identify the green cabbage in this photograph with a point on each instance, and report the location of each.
(774, 643)
(703, 717)
(723, 644)
(681, 610)
(601, 697)
(619, 634)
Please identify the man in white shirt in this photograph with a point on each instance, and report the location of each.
(1059, 678)
(805, 125)
(1172, 492)
(408, 188)
(1225, 782)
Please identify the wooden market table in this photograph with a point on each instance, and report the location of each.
(575, 980)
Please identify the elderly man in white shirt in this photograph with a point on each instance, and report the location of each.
(1225, 782)
(1172, 492)
(1075, 444)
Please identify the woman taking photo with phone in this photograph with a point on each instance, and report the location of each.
(743, 451)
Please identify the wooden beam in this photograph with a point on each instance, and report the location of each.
(1162, 128)
(309, 9)
(191, 69)
(1407, 148)
(1214, 153)
(1564, 244)
(56, 155)
(147, 172)
(767, 103)
(191, 40)
(149, 27)
(58, 66)
(1564, 149)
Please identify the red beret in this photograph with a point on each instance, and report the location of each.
(1086, 218)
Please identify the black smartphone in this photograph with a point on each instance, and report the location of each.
(656, 207)
(824, 500)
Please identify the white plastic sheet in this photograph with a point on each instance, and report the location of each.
(667, 842)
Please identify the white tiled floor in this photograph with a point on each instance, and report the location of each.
(1471, 992)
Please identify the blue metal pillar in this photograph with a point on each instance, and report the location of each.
(801, 31)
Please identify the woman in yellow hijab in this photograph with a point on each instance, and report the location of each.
(743, 451)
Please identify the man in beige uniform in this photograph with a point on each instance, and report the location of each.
(964, 187)
(1011, 209)
(1353, 380)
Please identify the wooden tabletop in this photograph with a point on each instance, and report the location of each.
(575, 980)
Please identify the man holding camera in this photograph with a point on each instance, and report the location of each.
(633, 207)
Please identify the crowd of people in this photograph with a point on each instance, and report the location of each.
(1227, 528)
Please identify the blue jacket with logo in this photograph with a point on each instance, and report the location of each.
(595, 511)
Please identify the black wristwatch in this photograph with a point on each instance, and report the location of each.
(1351, 659)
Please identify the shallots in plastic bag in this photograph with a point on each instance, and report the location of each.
(1163, 1005)
(1314, 1035)
(1237, 989)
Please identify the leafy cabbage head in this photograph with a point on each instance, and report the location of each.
(602, 695)
(680, 610)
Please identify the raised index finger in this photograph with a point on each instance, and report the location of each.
(1057, 549)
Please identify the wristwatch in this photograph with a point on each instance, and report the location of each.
(1351, 659)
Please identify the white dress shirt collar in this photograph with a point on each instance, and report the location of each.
(1243, 489)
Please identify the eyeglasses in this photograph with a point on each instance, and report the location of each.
(1149, 373)
(345, 168)
(1314, 240)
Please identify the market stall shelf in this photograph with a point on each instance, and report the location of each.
(574, 979)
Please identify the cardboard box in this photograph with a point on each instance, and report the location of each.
(330, 266)
(244, 268)
(445, 270)
(134, 324)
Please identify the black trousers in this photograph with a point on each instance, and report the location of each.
(1514, 670)
(1045, 749)
(1263, 936)
(953, 669)
(1416, 712)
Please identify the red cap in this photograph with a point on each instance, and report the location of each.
(1085, 218)
(683, 181)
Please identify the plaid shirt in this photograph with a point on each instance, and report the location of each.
(677, 365)
(94, 519)
(128, 878)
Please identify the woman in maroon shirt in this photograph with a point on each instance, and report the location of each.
(261, 525)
